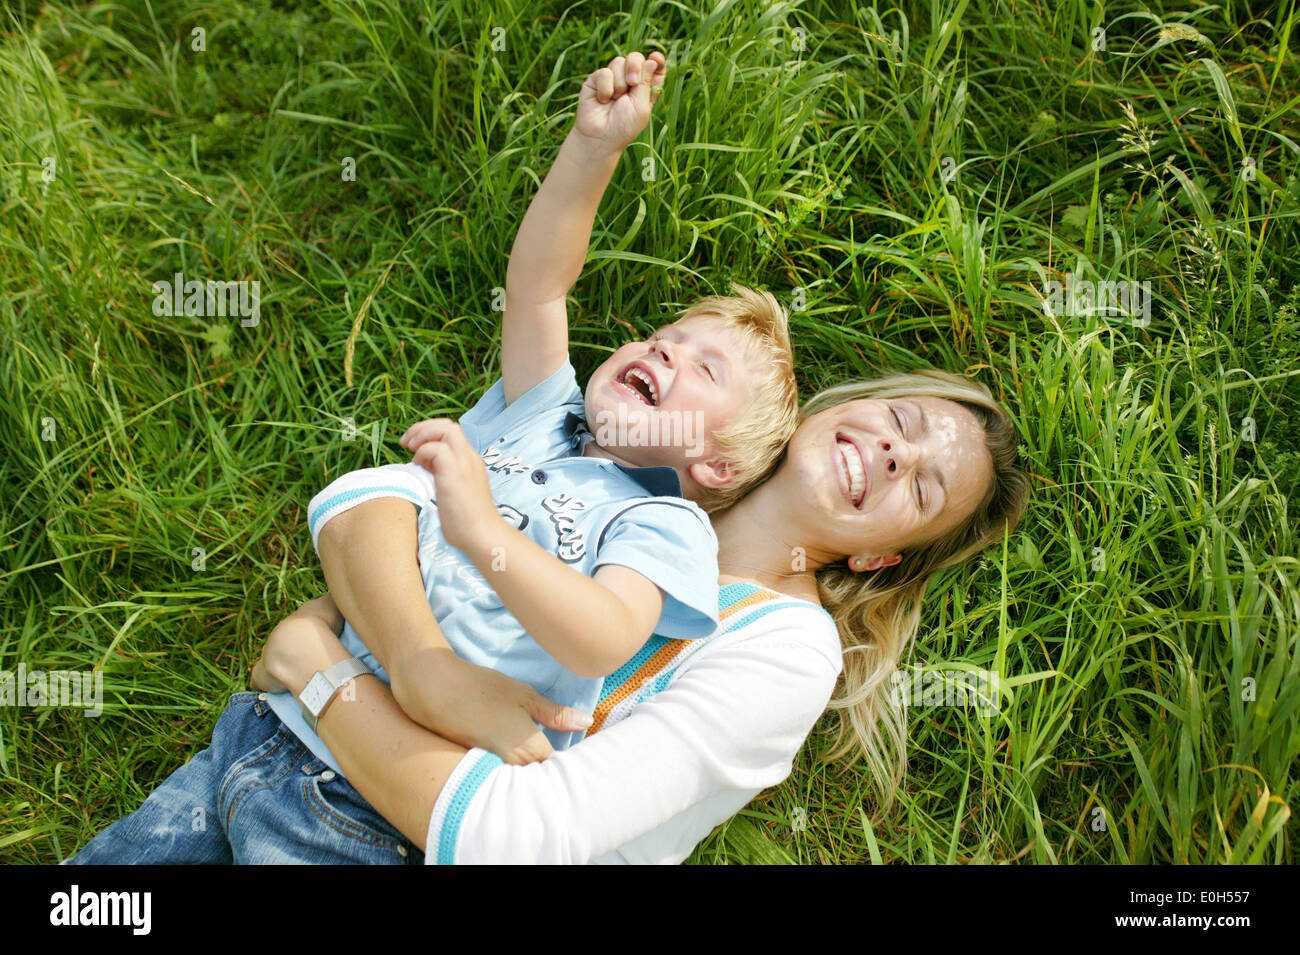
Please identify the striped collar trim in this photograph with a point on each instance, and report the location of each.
(736, 597)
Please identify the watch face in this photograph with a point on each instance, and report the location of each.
(316, 693)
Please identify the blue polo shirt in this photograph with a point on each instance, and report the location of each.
(587, 511)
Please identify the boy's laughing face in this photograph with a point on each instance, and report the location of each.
(659, 402)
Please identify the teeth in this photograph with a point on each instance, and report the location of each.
(857, 474)
(641, 376)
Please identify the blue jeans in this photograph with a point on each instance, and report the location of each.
(257, 795)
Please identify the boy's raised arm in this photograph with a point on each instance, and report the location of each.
(551, 244)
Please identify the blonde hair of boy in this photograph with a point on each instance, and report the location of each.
(755, 442)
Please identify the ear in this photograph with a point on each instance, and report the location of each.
(716, 473)
(873, 563)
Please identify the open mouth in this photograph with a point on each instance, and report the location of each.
(639, 382)
(856, 469)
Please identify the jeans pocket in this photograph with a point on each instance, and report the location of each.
(255, 769)
(338, 806)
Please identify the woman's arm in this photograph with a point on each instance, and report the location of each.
(396, 764)
(682, 762)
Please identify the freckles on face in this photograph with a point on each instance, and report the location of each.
(953, 465)
(956, 444)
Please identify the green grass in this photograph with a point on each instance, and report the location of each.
(1155, 574)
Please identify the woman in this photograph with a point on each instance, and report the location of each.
(884, 484)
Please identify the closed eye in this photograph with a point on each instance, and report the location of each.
(916, 484)
(709, 370)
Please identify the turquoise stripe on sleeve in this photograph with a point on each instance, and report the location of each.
(450, 831)
(346, 496)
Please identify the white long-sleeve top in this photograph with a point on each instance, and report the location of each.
(686, 734)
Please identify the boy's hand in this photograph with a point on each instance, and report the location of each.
(615, 101)
(474, 706)
(465, 505)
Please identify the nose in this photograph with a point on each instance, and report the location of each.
(898, 457)
(665, 351)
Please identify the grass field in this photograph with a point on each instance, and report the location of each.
(907, 179)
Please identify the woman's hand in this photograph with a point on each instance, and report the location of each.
(301, 643)
(467, 704)
(615, 102)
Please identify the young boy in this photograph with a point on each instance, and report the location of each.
(552, 538)
(556, 567)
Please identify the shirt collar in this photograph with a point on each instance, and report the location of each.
(656, 481)
(575, 429)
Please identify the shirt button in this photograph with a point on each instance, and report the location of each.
(327, 775)
(401, 851)
(539, 477)
(262, 697)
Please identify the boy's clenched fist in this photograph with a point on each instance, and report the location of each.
(615, 101)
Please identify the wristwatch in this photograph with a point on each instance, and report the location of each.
(324, 685)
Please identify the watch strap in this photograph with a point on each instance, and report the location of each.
(336, 677)
(346, 670)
